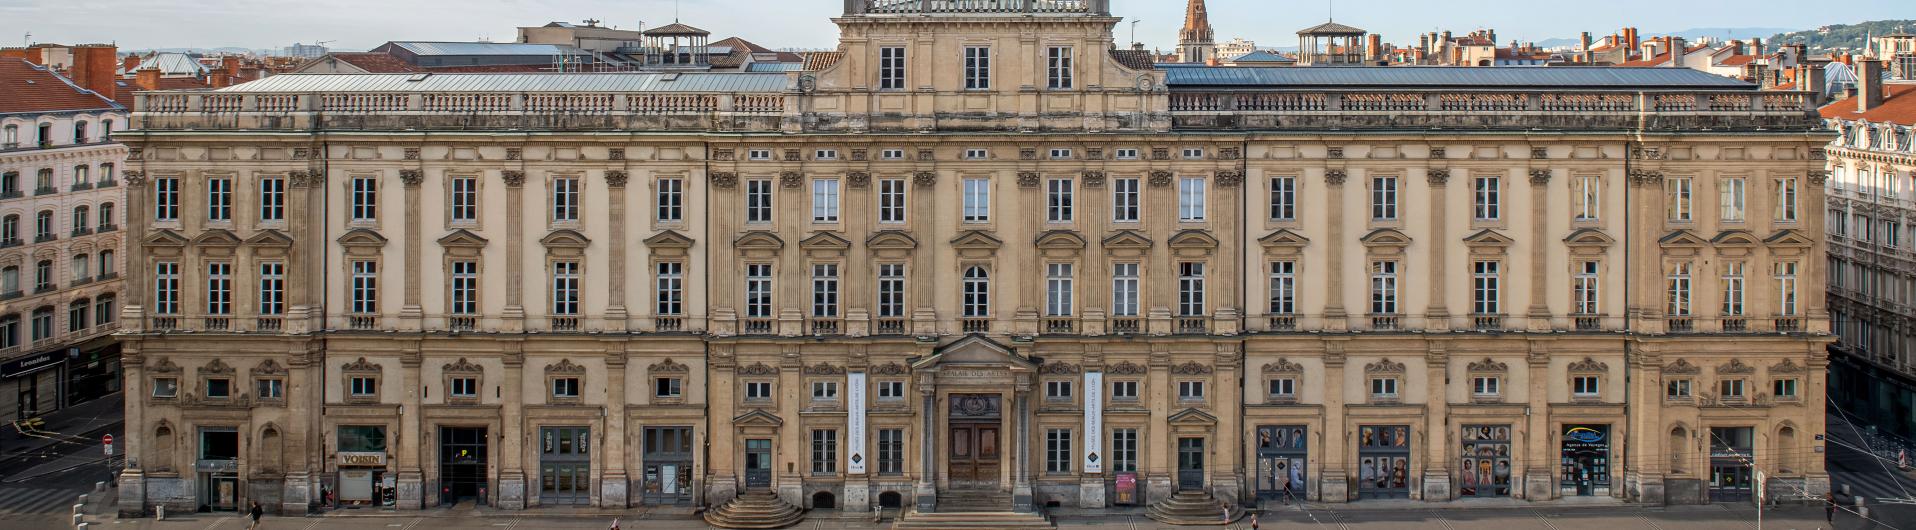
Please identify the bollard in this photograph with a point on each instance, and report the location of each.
(77, 521)
(83, 499)
(1861, 511)
(159, 512)
(99, 486)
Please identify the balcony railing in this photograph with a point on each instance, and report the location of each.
(398, 110)
(1789, 324)
(164, 322)
(914, 7)
(1127, 325)
(362, 322)
(889, 326)
(1060, 325)
(974, 325)
(563, 323)
(462, 323)
(1386, 322)
(1487, 322)
(1588, 322)
(1283, 323)
(1193, 324)
(757, 326)
(1679, 324)
(268, 324)
(216, 323)
(825, 326)
(1305, 100)
(668, 323)
(1735, 325)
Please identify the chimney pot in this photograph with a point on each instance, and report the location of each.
(1869, 84)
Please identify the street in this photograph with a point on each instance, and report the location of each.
(43, 472)
(1870, 476)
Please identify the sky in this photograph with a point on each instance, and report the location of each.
(358, 25)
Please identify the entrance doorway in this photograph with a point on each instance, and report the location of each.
(1731, 476)
(565, 465)
(974, 455)
(1486, 461)
(462, 463)
(668, 465)
(1190, 463)
(758, 464)
(1281, 450)
(1383, 462)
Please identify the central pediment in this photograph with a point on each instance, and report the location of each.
(974, 351)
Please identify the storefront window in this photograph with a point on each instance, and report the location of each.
(1383, 461)
(1281, 453)
(362, 438)
(1585, 459)
(1486, 460)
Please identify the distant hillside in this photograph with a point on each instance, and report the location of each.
(1693, 34)
(1844, 37)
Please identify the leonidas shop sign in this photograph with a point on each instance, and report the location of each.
(362, 459)
(33, 363)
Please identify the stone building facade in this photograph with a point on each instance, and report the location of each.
(59, 241)
(982, 256)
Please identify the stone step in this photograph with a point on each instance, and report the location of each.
(1006, 520)
(755, 511)
(1190, 508)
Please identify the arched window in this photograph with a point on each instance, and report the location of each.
(43, 275)
(10, 280)
(1679, 441)
(81, 264)
(80, 218)
(977, 297)
(44, 183)
(10, 138)
(10, 230)
(1786, 450)
(79, 132)
(106, 263)
(103, 310)
(43, 226)
(42, 323)
(77, 316)
(106, 216)
(80, 174)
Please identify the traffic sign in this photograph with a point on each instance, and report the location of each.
(106, 439)
(106, 442)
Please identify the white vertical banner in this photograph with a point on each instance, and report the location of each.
(1093, 422)
(855, 423)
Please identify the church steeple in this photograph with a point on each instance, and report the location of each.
(1194, 41)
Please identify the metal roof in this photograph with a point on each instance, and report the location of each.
(774, 67)
(592, 82)
(1330, 28)
(485, 48)
(1450, 77)
(174, 64)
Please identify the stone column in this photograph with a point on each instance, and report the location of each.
(1336, 319)
(1539, 250)
(511, 458)
(411, 480)
(1437, 430)
(615, 311)
(1539, 482)
(1332, 445)
(303, 432)
(1648, 461)
(132, 480)
(613, 481)
(514, 315)
(1021, 496)
(927, 486)
(1437, 316)
(412, 312)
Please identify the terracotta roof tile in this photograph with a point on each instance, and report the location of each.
(25, 87)
(815, 61)
(1134, 59)
(1738, 60)
(372, 62)
(1899, 107)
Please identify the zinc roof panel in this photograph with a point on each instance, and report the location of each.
(570, 82)
(1441, 76)
(484, 48)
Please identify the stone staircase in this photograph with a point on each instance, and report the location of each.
(972, 510)
(1190, 508)
(754, 510)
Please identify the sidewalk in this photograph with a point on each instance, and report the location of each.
(77, 420)
(470, 510)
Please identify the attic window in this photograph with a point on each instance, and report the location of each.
(669, 76)
(418, 77)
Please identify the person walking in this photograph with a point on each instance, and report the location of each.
(1829, 507)
(1253, 521)
(1287, 492)
(255, 512)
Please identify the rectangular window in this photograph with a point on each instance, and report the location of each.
(1589, 197)
(1124, 390)
(1058, 67)
(1584, 386)
(824, 450)
(1677, 290)
(219, 199)
(1732, 288)
(825, 154)
(891, 390)
(271, 388)
(1786, 288)
(1485, 386)
(1124, 450)
(891, 67)
(977, 154)
(1282, 388)
(977, 68)
(166, 199)
(1680, 207)
(1383, 287)
(758, 201)
(1677, 389)
(365, 199)
(565, 387)
(1057, 390)
(977, 200)
(825, 201)
(892, 154)
(668, 387)
(891, 200)
(1057, 451)
(565, 288)
(824, 390)
(1484, 288)
(465, 287)
(166, 288)
(1060, 153)
(1058, 201)
(1058, 289)
(272, 288)
(825, 290)
(365, 287)
(1383, 387)
(1486, 203)
(219, 288)
(1193, 153)
(272, 199)
(671, 199)
(363, 386)
(1283, 287)
(565, 199)
(1584, 288)
(1191, 390)
(1730, 198)
(1124, 200)
(758, 154)
(758, 390)
(1786, 200)
(166, 387)
(463, 387)
(1383, 198)
(891, 451)
(1283, 198)
(1126, 154)
(758, 290)
(1124, 289)
(1191, 199)
(1784, 388)
(891, 290)
(1190, 289)
(671, 288)
(465, 199)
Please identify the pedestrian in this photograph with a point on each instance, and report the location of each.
(615, 523)
(255, 511)
(1287, 492)
(1829, 507)
(1254, 521)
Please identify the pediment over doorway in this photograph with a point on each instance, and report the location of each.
(975, 351)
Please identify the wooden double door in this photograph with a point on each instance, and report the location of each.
(976, 452)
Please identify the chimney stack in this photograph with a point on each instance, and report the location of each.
(1756, 46)
(1584, 53)
(147, 78)
(1373, 47)
(130, 63)
(1676, 51)
(93, 66)
(1869, 84)
(1630, 34)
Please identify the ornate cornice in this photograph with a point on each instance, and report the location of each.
(924, 179)
(1283, 366)
(1589, 365)
(1126, 368)
(1191, 368)
(1093, 179)
(858, 179)
(824, 369)
(757, 369)
(564, 366)
(1229, 178)
(1734, 367)
(1058, 369)
(412, 177)
(1488, 365)
(1028, 179)
(791, 179)
(1384, 366)
(724, 179)
(668, 366)
(462, 366)
(1437, 176)
(513, 177)
(361, 365)
(1335, 177)
(890, 369)
(615, 178)
(1681, 367)
(1160, 178)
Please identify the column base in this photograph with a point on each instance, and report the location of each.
(721, 490)
(791, 489)
(1334, 486)
(133, 493)
(1539, 486)
(1021, 498)
(858, 494)
(512, 491)
(612, 491)
(295, 495)
(1437, 486)
(927, 494)
(1091, 492)
(412, 490)
(1157, 488)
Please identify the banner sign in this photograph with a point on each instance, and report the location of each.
(1094, 422)
(855, 423)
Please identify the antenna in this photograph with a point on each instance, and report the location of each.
(1330, 10)
(1134, 31)
(675, 11)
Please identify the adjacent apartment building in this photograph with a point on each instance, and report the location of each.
(59, 235)
(974, 259)
(1872, 270)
